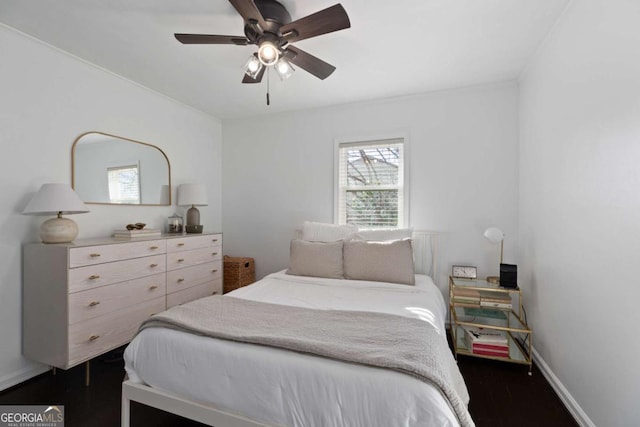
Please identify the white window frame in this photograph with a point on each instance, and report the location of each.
(403, 220)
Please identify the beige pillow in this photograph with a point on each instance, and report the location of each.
(390, 261)
(318, 259)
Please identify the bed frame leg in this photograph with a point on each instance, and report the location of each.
(126, 410)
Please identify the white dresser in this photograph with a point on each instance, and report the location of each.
(84, 298)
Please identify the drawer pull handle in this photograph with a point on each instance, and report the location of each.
(153, 248)
(214, 293)
(94, 255)
(94, 277)
(94, 337)
(153, 265)
(214, 253)
(181, 260)
(214, 240)
(94, 303)
(214, 271)
(180, 280)
(153, 287)
(180, 244)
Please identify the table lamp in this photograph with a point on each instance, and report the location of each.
(192, 195)
(495, 235)
(56, 199)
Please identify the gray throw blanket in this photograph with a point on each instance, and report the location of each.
(406, 345)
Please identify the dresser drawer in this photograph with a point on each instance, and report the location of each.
(179, 244)
(195, 292)
(101, 334)
(93, 276)
(90, 255)
(183, 278)
(193, 257)
(96, 302)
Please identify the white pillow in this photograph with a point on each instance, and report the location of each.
(317, 259)
(390, 261)
(384, 234)
(323, 232)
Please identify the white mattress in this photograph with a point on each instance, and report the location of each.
(281, 387)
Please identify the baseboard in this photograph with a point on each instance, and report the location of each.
(572, 406)
(16, 378)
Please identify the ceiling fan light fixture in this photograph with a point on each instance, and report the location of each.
(284, 68)
(268, 53)
(268, 24)
(252, 67)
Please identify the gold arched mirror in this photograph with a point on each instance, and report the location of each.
(109, 169)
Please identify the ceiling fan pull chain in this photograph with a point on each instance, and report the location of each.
(268, 103)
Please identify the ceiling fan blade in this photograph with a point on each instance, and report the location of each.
(326, 21)
(258, 78)
(309, 63)
(211, 39)
(249, 12)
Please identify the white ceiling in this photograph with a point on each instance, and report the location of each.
(393, 48)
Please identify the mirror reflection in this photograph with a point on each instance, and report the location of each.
(109, 169)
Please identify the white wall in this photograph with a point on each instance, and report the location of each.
(278, 172)
(49, 98)
(580, 207)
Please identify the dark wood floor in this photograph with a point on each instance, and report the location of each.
(502, 395)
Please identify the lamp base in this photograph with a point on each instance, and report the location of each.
(58, 230)
(493, 279)
(193, 216)
(194, 229)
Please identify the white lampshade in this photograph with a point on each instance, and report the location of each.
(56, 199)
(494, 235)
(192, 195)
(52, 199)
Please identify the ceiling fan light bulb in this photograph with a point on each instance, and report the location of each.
(284, 69)
(268, 53)
(252, 67)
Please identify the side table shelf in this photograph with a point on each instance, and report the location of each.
(466, 313)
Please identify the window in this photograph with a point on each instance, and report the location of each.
(124, 184)
(371, 184)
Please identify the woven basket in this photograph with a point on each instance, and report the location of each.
(238, 272)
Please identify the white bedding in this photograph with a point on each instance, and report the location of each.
(281, 387)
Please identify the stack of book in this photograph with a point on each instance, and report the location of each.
(495, 300)
(466, 295)
(486, 342)
(131, 234)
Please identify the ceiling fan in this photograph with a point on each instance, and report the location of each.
(268, 25)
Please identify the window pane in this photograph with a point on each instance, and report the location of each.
(124, 184)
(373, 208)
(372, 166)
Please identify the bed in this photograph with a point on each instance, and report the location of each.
(225, 382)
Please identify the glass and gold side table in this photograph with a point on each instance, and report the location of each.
(465, 310)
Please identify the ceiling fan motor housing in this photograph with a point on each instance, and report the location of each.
(274, 14)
